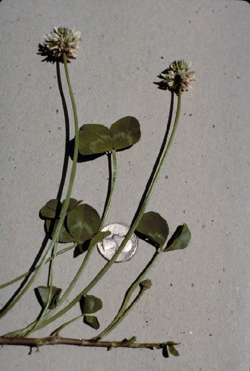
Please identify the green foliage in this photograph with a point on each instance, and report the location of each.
(90, 304)
(169, 348)
(95, 139)
(48, 211)
(53, 208)
(64, 236)
(42, 294)
(125, 132)
(72, 204)
(81, 222)
(153, 229)
(91, 321)
(180, 239)
(172, 350)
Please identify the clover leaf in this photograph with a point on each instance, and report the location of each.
(153, 229)
(180, 239)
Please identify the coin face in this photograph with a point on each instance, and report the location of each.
(111, 243)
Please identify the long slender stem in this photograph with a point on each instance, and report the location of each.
(59, 194)
(26, 273)
(132, 228)
(73, 171)
(157, 161)
(124, 307)
(169, 145)
(67, 199)
(66, 154)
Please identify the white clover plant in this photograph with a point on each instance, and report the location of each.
(72, 222)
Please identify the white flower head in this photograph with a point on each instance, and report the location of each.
(62, 40)
(177, 76)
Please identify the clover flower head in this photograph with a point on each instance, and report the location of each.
(177, 76)
(60, 40)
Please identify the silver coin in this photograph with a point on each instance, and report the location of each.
(111, 243)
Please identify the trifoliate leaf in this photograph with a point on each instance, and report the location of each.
(96, 139)
(42, 294)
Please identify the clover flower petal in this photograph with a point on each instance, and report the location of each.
(177, 76)
(60, 40)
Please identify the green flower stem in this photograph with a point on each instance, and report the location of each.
(33, 268)
(26, 273)
(67, 199)
(156, 164)
(112, 177)
(124, 309)
(169, 145)
(132, 228)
